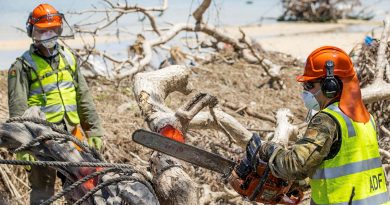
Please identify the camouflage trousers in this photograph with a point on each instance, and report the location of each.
(42, 179)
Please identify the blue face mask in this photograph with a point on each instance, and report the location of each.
(310, 100)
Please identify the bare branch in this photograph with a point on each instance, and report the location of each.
(198, 13)
(379, 89)
(125, 9)
(381, 61)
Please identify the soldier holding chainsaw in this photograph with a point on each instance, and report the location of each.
(48, 76)
(339, 151)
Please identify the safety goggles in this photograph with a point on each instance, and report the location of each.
(55, 22)
(42, 34)
(309, 85)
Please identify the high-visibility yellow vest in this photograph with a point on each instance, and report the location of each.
(54, 90)
(355, 174)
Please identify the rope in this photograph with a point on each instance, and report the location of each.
(77, 183)
(104, 184)
(54, 136)
(114, 167)
(63, 134)
(65, 164)
(66, 135)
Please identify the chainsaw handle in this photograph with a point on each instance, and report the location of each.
(260, 185)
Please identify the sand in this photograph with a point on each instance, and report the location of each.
(297, 39)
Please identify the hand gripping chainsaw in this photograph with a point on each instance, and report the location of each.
(254, 183)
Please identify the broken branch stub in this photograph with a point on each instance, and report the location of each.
(284, 129)
(151, 89)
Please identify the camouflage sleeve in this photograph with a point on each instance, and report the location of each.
(89, 118)
(307, 153)
(18, 88)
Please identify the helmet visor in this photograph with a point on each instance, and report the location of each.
(52, 22)
(43, 34)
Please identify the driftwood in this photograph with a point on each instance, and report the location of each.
(319, 10)
(151, 89)
(139, 60)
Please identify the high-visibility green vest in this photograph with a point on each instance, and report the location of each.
(356, 171)
(54, 90)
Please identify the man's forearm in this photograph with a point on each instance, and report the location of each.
(306, 155)
(89, 118)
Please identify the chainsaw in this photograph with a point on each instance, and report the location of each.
(254, 183)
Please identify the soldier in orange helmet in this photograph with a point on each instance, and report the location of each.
(339, 151)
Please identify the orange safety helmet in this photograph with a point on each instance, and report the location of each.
(351, 102)
(43, 16)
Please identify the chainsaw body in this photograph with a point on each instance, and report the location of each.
(261, 186)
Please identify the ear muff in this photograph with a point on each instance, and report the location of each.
(330, 85)
(29, 25)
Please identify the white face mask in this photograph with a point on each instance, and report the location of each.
(310, 100)
(48, 39)
(49, 43)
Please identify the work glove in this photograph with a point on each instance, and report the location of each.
(95, 142)
(267, 149)
(25, 157)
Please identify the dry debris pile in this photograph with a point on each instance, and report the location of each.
(320, 10)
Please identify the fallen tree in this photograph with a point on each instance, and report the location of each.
(151, 89)
(141, 52)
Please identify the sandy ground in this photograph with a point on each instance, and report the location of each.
(295, 38)
(299, 39)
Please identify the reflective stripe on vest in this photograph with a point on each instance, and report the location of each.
(382, 198)
(53, 90)
(50, 87)
(348, 121)
(58, 108)
(356, 168)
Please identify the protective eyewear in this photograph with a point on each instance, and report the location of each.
(42, 34)
(309, 85)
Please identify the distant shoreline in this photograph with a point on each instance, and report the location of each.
(296, 38)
